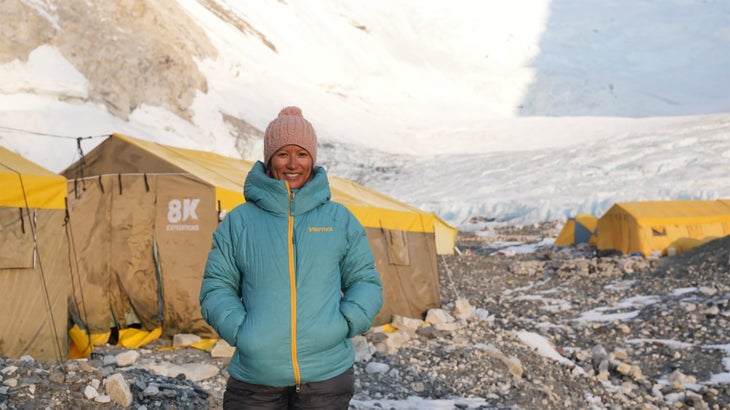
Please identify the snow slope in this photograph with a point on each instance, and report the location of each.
(516, 111)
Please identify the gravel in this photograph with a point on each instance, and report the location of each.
(557, 328)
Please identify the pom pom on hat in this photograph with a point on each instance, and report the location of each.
(288, 128)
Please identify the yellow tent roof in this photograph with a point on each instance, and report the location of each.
(370, 207)
(27, 184)
(677, 212)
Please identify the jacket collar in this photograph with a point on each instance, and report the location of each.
(271, 194)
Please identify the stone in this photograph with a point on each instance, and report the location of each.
(151, 391)
(127, 358)
(103, 398)
(57, 377)
(438, 316)
(429, 332)
(483, 315)
(636, 373)
(375, 367)
(599, 353)
(90, 392)
(711, 311)
(185, 339)
(192, 371)
(222, 349)
(622, 367)
(118, 390)
(448, 327)
(364, 350)
(406, 323)
(620, 354)
(463, 309)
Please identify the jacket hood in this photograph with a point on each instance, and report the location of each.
(271, 194)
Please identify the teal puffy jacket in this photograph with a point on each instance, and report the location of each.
(289, 280)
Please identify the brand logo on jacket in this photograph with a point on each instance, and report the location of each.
(321, 229)
(181, 214)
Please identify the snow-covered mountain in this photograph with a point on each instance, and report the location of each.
(517, 111)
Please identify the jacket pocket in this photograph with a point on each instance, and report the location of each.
(248, 344)
(323, 335)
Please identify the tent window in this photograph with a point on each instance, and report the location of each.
(17, 251)
(658, 231)
(398, 248)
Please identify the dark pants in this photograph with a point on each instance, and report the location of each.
(334, 393)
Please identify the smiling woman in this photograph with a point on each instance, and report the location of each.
(290, 280)
(293, 164)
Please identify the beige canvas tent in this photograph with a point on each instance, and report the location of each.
(34, 262)
(150, 211)
(657, 226)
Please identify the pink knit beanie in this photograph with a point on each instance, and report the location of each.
(289, 127)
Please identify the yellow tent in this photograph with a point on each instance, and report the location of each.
(653, 227)
(34, 264)
(143, 215)
(581, 229)
(26, 184)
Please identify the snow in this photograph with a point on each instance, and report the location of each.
(515, 112)
(630, 306)
(543, 347)
(417, 403)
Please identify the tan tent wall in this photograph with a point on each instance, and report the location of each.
(126, 248)
(34, 260)
(100, 298)
(183, 243)
(34, 307)
(407, 265)
(654, 226)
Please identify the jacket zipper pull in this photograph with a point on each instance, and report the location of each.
(298, 388)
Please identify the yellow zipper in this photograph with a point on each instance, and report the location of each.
(293, 293)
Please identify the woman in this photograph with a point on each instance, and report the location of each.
(290, 280)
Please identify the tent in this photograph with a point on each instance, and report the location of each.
(34, 260)
(149, 214)
(581, 229)
(662, 227)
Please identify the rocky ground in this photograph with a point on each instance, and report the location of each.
(558, 328)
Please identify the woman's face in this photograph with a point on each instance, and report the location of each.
(293, 164)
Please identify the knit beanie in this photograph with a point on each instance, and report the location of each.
(289, 127)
